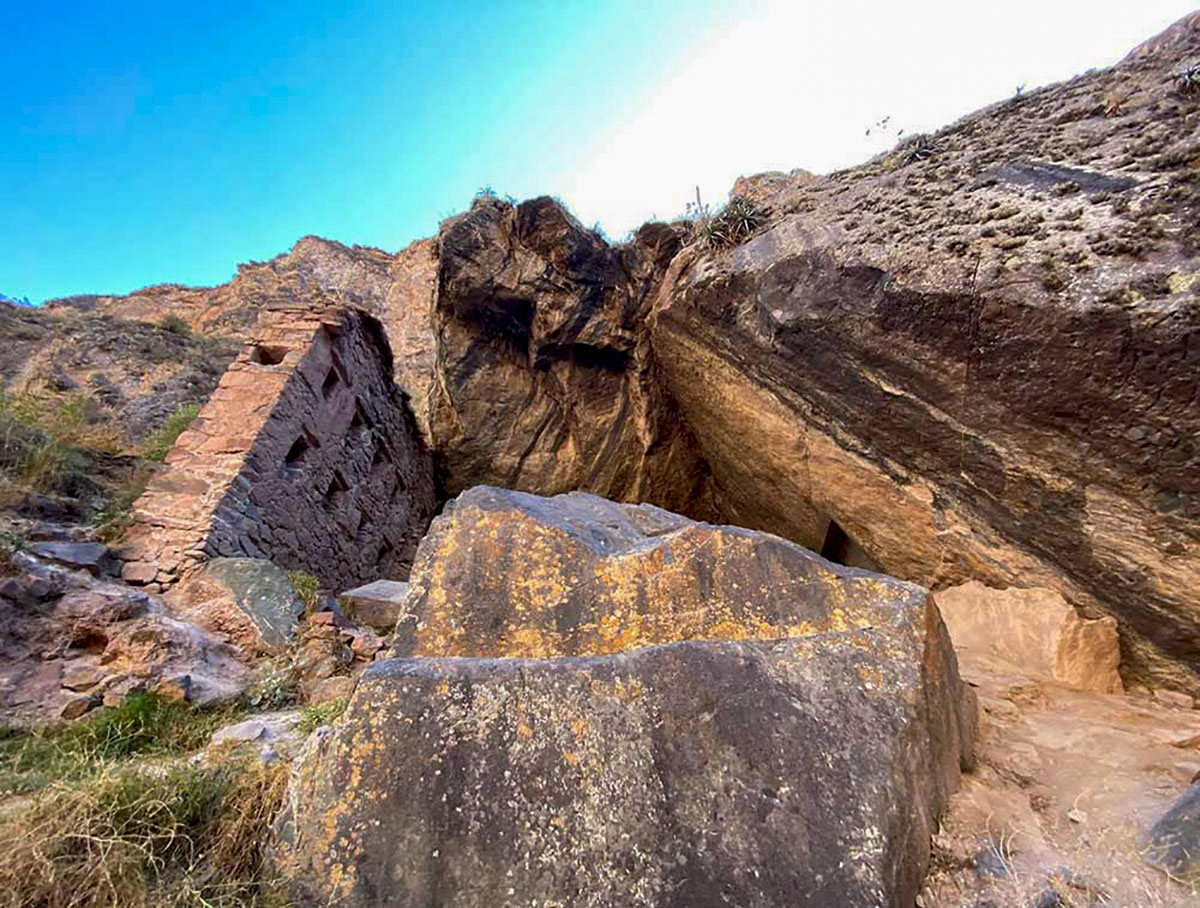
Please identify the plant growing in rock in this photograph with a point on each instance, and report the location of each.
(159, 444)
(10, 544)
(1187, 80)
(307, 587)
(731, 225)
(917, 148)
(318, 714)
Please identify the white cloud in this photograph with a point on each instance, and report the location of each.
(796, 84)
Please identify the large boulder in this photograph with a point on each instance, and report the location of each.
(698, 715)
(66, 651)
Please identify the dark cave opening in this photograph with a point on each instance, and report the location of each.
(841, 548)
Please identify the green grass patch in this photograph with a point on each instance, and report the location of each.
(318, 714)
(46, 439)
(144, 725)
(145, 835)
(160, 442)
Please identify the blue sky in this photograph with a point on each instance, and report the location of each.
(147, 142)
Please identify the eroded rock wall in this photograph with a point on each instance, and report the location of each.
(546, 381)
(981, 362)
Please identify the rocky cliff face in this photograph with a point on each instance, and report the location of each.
(972, 358)
(981, 360)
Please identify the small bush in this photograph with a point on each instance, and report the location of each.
(307, 587)
(10, 544)
(159, 444)
(175, 324)
(917, 148)
(1187, 80)
(318, 714)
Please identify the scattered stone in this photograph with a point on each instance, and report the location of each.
(1035, 631)
(376, 604)
(93, 557)
(83, 677)
(139, 573)
(122, 690)
(1049, 897)
(1075, 815)
(177, 689)
(336, 687)
(249, 730)
(364, 644)
(77, 706)
(991, 862)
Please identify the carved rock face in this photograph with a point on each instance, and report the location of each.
(763, 727)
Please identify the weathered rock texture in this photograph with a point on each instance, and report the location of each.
(972, 359)
(546, 379)
(980, 364)
(306, 454)
(1034, 631)
(805, 767)
(67, 645)
(250, 601)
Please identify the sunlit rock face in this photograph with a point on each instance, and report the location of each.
(693, 715)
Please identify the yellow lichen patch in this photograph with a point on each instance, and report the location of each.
(1182, 281)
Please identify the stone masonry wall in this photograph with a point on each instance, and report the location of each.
(307, 454)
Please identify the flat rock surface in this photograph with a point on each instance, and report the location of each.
(375, 604)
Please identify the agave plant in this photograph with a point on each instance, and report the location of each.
(741, 218)
(918, 148)
(1187, 80)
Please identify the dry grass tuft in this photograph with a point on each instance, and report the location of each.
(141, 836)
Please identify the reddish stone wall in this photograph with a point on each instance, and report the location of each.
(307, 454)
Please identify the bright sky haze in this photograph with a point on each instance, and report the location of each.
(149, 142)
